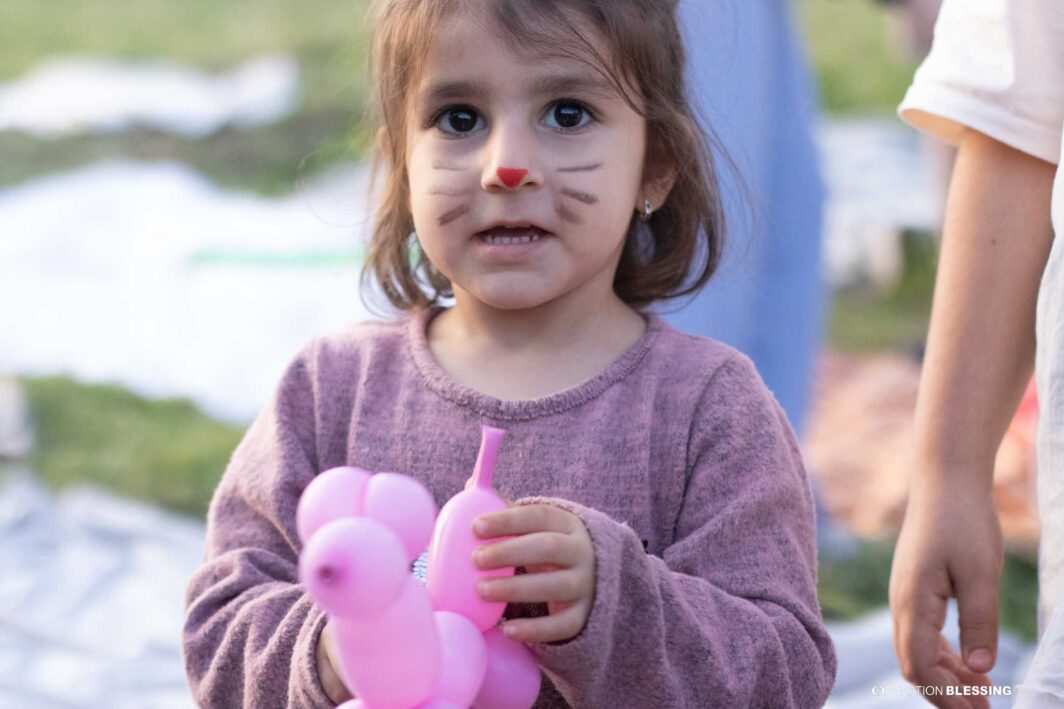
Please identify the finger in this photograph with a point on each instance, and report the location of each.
(918, 619)
(952, 663)
(563, 585)
(548, 628)
(942, 677)
(977, 603)
(522, 520)
(943, 673)
(527, 550)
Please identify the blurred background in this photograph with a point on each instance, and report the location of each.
(183, 204)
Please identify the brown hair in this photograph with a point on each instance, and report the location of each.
(672, 254)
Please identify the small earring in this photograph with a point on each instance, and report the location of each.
(647, 210)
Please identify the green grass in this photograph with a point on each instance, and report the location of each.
(868, 320)
(857, 67)
(328, 36)
(849, 588)
(328, 40)
(269, 160)
(166, 452)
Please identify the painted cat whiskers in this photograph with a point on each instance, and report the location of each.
(566, 214)
(456, 213)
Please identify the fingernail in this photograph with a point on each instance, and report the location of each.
(980, 657)
(509, 630)
(479, 527)
(478, 557)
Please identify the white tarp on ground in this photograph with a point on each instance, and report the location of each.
(880, 182)
(74, 95)
(91, 600)
(91, 610)
(148, 276)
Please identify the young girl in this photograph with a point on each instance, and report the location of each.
(545, 156)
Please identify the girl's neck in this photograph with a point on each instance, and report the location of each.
(557, 325)
(533, 352)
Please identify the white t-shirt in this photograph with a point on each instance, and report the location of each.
(997, 66)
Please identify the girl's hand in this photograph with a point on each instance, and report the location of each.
(555, 548)
(330, 680)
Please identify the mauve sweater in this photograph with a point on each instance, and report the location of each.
(676, 458)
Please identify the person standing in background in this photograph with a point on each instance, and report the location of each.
(994, 86)
(748, 78)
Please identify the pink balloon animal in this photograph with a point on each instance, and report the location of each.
(402, 645)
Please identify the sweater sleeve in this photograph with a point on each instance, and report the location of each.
(251, 632)
(728, 614)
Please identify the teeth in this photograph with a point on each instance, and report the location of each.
(496, 239)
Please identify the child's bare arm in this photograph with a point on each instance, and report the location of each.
(980, 354)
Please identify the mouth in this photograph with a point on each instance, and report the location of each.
(515, 234)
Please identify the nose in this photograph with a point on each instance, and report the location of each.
(511, 176)
(509, 165)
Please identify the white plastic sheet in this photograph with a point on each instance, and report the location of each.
(84, 94)
(148, 276)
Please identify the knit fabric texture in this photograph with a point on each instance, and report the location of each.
(676, 457)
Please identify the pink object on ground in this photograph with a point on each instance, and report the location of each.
(452, 577)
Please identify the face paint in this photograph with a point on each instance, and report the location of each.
(580, 196)
(457, 212)
(511, 176)
(581, 168)
(451, 215)
(568, 215)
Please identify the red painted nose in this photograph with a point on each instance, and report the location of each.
(511, 176)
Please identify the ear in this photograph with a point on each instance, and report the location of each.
(656, 189)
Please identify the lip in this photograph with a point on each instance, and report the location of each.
(513, 251)
(514, 224)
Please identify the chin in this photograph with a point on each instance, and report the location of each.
(514, 296)
(512, 301)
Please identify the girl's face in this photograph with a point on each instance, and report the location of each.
(524, 172)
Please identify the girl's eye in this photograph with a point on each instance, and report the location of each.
(457, 120)
(569, 115)
(564, 116)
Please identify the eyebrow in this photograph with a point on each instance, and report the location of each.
(547, 84)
